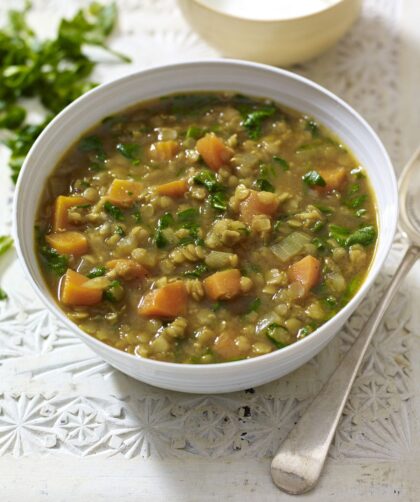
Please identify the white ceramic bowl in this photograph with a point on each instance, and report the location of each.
(247, 78)
(283, 41)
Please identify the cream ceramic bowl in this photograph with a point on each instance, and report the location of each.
(281, 42)
(247, 78)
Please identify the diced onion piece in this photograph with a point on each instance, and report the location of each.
(290, 246)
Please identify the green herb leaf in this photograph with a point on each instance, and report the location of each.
(11, 116)
(113, 211)
(313, 128)
(96, 272)
(165, 221)
(364, 236)
(219, 201)
(281, 162)
(340, 234)
(313, 178)
(264, 185)
(54, 261)
(356, 202)
(53, 70)
(198, 271)
(278, 335)
(254, 120)
(119, 230)
(93, 144)
(6, 242)
(254, 305)
(130, 151)
(188, 215)
(114, 292)
(3, 294)
(194, 132)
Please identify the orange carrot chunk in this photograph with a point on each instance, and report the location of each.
(124, 192)
(334, 179)
(173, 188)
(164, 150)
(62, 204)
(306, 271)
(223, 285)
(73, 291)
(225, 346)
(68, 242)
(127, 269)
(168, 301)
(257, 203)
(214, 151)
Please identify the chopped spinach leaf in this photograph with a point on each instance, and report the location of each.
(114, 292)
(54, 261)
(254, 119)
(130, 151)
(313, 128)
(194, 132)
(356, 202)
(340, 234)
(96, 272)
(364, 236)
(281, 162)
(313, 178)
(198, 271)
(254, 305)
(113, 211)
(188, 215)
(278, 335)
(165, 221)
(264, 185)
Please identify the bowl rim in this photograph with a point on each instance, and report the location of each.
(238, 17)
(290, 350)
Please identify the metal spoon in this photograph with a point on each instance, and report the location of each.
(297, 465)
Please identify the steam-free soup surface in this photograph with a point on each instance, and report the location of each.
(205, 228)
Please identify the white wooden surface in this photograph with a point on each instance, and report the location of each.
(71, 428)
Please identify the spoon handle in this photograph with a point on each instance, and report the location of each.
(299, 462)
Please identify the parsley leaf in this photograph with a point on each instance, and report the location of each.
(364, 236)
(54, 261)
(113, 211)
(6, 242)
(3, 294)
(281, 162)
(313, 178)
(130, 151)
(254, 119)
(198, 271)
(96, 272)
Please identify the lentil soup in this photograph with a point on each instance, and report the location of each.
(205, 227)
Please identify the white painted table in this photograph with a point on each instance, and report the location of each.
(72, 428)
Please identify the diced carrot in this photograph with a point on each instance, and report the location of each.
(127, 269)
(214, 151)
(124, 192)
(306, 271)
(225, 346)
(164, 150)
(258, 203)
(73, 291)
(62, 204)
(68, 242)
(223, 285)
(173, 188)
(334, 179)
(168, 301)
